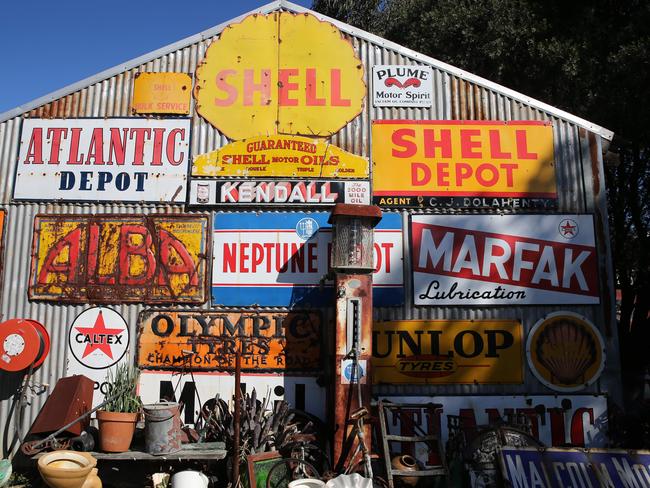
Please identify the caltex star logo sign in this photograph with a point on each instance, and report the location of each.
(568, 228)
(99, 337)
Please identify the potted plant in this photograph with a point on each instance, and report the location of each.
(122, 407)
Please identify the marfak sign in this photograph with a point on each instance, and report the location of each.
(119, 258)
(402, 86)
(205, 341)
(122, 160)
(504, 260)
(447, 352)
(442, 163)
(280, 73)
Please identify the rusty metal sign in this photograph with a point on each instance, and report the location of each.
(447, 351)
(161, 93)
(281, 156)
(119, 258)
(199, 340)
(280, 73)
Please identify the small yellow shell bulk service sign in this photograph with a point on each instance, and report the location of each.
(161, 93)
(279, 74)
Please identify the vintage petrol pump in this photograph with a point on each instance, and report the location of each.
(352, 260)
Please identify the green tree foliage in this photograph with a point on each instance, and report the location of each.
(591, 58)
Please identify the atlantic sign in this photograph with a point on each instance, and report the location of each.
(121, 160)
(504, 260)
(280, 73)
(282, 259)
(436, 163)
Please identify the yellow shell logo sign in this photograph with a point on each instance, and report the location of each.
(279, 74)
(565, 351)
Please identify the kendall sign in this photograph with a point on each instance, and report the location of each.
(504, 260)
(123, 160)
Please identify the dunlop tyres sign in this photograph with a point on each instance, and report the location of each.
(504, 260)
(279, 74)
(207, 341)
(119, 258)
(427, 162)
(446, 351)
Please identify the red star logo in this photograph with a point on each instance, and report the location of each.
(98, 337)
(567, 228)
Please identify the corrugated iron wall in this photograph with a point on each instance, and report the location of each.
(577, 157)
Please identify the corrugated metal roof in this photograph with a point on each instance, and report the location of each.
(282, 4)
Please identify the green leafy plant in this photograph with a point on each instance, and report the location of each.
(122, 394)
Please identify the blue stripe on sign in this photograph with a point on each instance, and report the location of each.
(266, 220)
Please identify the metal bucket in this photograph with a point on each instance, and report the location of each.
(162, 428)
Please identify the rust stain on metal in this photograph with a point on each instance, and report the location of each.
(119, 258)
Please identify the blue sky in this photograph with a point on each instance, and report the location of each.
(46, 45)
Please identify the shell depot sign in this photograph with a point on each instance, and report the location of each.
(279, 73)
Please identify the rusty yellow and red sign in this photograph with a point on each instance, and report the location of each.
(436, 158)
(281, 156)
(279, 73)
(161, 93)
(204, 341)
(447, 351)
(119, 258)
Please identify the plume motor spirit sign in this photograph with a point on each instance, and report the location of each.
(119, 258)
(434, 163)
(279, 73)
(447, 351)
(402, 86)
(123, 160)
(282, 259)
(199, 340)
(504, 260)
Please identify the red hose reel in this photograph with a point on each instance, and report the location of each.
(24, 343)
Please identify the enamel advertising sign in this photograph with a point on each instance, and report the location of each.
(280, 73)
(580, 420)
(121, 160)
(447, 351)
(504, 260)
(402, 86)
(161, 93)
(204, 341)
(281, 259)
(281, 156)
(119, 258)
(556, 468)
(457, 164)
(565, 351)
(281, 192)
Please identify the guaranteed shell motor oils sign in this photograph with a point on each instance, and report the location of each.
(119, 258)
(447, 351)
(116, 160)
(204, 341)
(281, 156)
(504, 260)
(279, 73)
(419, 162)
(282, 259)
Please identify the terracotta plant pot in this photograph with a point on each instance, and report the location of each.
(116, 430)
(406, 463)
(69, 469)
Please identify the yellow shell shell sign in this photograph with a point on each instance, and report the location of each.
(280, 73)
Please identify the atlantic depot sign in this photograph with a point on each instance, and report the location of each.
(447, 351)
(281, 156)
(119, 258)
(504, 260)
(279, 73)
(435, 163)
(208, 341)
(121, 159)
